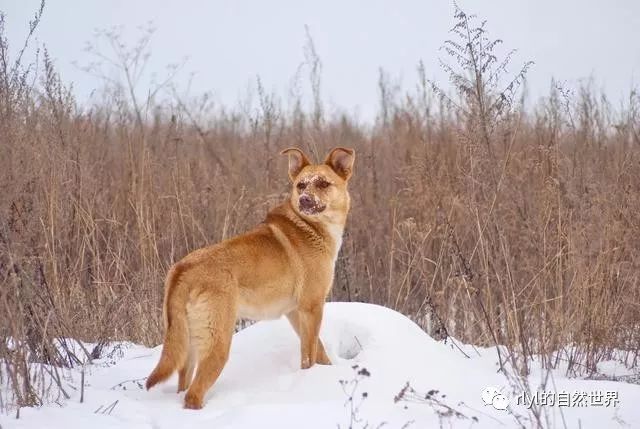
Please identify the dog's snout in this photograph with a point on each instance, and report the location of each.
(306, 202)
(310, 204)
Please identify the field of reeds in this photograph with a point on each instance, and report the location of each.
(481, 215)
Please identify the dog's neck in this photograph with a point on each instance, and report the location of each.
(321, 234)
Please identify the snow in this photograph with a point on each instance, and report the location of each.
(262, 385)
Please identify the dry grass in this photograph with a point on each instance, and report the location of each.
(486, 222)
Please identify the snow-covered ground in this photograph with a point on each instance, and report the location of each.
(262, 385)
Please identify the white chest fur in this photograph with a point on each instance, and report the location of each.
(336, 231)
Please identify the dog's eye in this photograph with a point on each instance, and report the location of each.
(301, 186)
(323, 184)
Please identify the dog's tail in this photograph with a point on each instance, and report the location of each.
(176, 337)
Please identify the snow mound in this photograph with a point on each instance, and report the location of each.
(262, 385)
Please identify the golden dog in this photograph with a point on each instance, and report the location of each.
(283, 266)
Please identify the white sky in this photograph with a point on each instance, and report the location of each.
(229, 43)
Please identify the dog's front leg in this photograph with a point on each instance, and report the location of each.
(321, 356)
(310, 320)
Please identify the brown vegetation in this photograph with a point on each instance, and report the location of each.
(478, 218)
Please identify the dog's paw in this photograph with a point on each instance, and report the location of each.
(183, 386)
(306, 363)
(323, 360)
(192, 402)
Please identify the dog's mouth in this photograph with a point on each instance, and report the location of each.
(312, 210)
(310, 206)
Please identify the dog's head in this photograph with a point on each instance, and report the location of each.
(320, 190)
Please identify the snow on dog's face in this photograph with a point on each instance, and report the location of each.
(320, 190)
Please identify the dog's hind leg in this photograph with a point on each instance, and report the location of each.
(185, 374)
(213, 325)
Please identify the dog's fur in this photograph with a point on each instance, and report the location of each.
(283, 266)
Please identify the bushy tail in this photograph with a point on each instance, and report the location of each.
(176, 337)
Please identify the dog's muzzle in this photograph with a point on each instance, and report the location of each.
(309, 205)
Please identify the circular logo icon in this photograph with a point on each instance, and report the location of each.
(493, 396)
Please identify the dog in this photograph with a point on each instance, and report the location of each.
(284, 266)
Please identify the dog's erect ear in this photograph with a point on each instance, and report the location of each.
(341, 159)
(297, 161)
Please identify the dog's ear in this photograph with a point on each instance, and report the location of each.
(341, 160)
(297, 161)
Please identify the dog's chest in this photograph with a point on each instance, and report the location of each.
(335, 232)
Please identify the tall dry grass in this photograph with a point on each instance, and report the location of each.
(476, 217)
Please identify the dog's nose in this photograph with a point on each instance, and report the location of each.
(306, 202)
